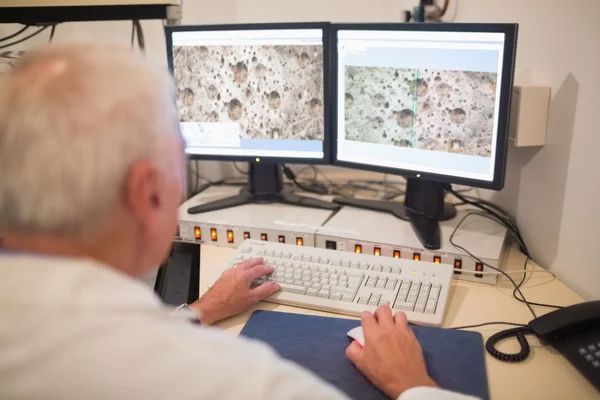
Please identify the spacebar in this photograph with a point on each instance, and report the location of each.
(292, 288)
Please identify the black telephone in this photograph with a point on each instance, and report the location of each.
(574, 331)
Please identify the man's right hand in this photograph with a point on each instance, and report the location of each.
(232, 293)
(392, 358)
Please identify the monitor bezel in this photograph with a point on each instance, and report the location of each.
(327, 112)
(510, 31)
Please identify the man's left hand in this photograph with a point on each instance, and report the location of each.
(232, 293)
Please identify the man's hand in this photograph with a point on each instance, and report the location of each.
(392, 358)
(231, 294)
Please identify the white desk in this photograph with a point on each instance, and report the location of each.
(544, 375)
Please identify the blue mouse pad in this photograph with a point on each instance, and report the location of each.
(455, 359)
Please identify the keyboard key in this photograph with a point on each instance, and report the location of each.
(246, 250)
(419, 308)
(312, 292)
(592, 348)
(326, 287)
(343, 290)
(347, 297)
(277, 254)
(297, 289)
(354, 265)
(335, 296)
(396, 269)
(337, 263)
(289, 281)
(597, 354)
(381, 282)
(261, 252)
(384, 302)
(315, 259)
(323, 293)
(377, 268)
(596, 364)
(324, 260)
(371, 282)
(390, 285)
(430, 309)
(353, 285)
(346, 264)
(363, 300)
(386, 268)
(403, 306)
(286, 255)
(364, 266)
(297, 258)
(316, 286)
(589, 357)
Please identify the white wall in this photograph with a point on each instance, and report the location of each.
(551, 190)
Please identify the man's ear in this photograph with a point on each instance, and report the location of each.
(142, 191)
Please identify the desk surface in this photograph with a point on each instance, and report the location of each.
(544, 375)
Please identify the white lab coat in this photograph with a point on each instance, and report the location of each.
(76, 329)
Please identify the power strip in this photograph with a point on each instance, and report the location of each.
(229, 227)
(371, 232)
(350, 229)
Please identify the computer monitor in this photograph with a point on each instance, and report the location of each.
(430, 102)
(257, 93)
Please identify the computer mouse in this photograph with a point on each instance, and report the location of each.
(357, 334)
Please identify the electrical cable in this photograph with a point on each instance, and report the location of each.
(52, 31)
(444, 8)
(519, 332)
(238, 169)
(137, 25)
(506, 219)
(17, 33)
(292, 177)
(486, 324)
(25, 38)
(521, 283)
(477, 259)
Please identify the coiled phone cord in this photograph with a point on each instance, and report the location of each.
(519, 333)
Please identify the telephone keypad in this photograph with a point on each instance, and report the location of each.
(591, 353)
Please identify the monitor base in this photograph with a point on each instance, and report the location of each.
(423, 207)
(265, 186)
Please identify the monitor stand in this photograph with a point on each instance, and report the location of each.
(265, 185)
(423, 206)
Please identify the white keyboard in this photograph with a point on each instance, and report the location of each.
(349, 283)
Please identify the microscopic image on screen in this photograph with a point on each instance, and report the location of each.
(439, 110)
(379, 105)
(271, 92)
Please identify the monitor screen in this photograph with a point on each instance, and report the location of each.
(250, 93)
(420, 101)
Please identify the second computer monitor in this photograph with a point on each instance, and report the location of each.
(252, 92)
(428, 101)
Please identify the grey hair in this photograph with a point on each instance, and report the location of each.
(74, 118)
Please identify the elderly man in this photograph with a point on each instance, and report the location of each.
(91, 170)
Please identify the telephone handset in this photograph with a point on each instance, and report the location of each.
(574, 331)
